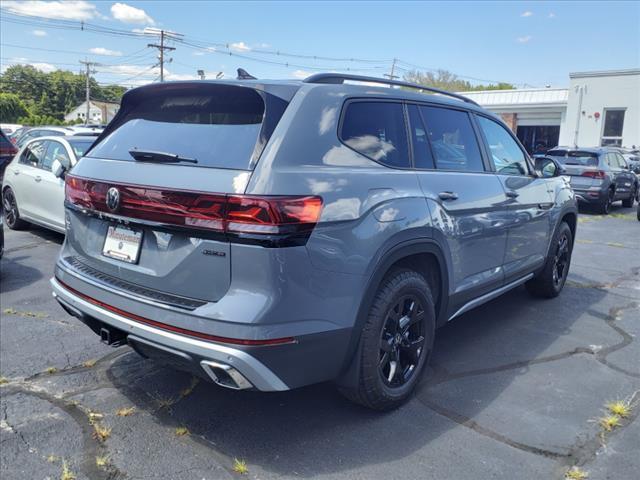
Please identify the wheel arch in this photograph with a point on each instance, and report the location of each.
(429, 258)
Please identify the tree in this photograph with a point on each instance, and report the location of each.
(11, 108)
(47, 97)
(446, 80)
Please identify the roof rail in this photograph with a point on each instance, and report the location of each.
(338, 78)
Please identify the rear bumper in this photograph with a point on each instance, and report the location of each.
(590, 196)
(309, 359)
(188, 351)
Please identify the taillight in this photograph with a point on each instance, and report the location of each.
(237, 215)
(272, 215)
(597, 174)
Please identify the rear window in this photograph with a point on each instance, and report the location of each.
(219, 126)
(586, 159)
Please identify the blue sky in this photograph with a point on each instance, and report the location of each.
(525, 43)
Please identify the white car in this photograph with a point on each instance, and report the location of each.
(33, 185)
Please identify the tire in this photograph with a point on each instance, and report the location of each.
(605, 207)
(399, 330)
(628, 203)
(11, 212)
(550, 281)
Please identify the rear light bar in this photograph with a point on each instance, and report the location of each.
(179, 330)
(597, 174)
(228, 214)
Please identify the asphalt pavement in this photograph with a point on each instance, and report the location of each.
(516, 390)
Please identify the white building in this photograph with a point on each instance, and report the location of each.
(598, 108)
(99, 112)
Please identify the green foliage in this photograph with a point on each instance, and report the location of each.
(446, 80)
(11, 108)
(47, 97)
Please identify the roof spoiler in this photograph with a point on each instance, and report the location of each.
(339, 78)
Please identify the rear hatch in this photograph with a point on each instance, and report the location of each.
(580, 166)
(145, 206)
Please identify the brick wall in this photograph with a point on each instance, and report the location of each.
(511, 119)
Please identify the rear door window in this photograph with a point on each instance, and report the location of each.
(453, 139)
(33, 154)
(219, 127)
(377, 130)
(507, 157)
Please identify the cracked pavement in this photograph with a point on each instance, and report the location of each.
(515, 390)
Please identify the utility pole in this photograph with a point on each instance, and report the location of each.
(391, 75)
(88, 73)
(162, 47)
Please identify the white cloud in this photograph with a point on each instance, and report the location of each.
(67, 10)
(528, 13)
(300, 74)
(105, 52)
(525, 39)
(198, 53)
(130, 70)
(39, 33)
(45, 67)
(240, 47)
(551, 15)
(128, 14)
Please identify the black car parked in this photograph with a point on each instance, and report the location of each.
(599, 176)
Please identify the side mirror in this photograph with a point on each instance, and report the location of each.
(57, 168)
(547, 167)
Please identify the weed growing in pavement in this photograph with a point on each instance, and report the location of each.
(3, 380)
(103, 461)
(574, 473)
(187, 391)
(182, 431)
(621, 408)
(52, 458)
(609, 422)
(94, 417)
(100, 432)
(125, 412)
(51, 370)
(89, 363)
(67, 474)
(240, 466)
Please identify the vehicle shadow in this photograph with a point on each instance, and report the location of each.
(314, 430)
(15, 273)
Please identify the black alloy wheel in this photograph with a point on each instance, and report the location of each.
(402, 341)
(561, 261)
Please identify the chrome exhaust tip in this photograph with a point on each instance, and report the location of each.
(225, 375)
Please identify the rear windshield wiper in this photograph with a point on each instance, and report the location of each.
(160, 157)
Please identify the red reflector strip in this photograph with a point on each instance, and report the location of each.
(171, 328)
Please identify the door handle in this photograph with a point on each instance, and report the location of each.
(512, 194)
(545, 206)
(16, 172)
(38, 178)
(448, 196)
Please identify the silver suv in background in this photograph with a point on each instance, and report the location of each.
(599, 176)
(273, 234)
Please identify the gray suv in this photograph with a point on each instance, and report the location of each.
(273, 234)
(599, 176)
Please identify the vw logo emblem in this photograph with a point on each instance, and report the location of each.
(113, 199)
